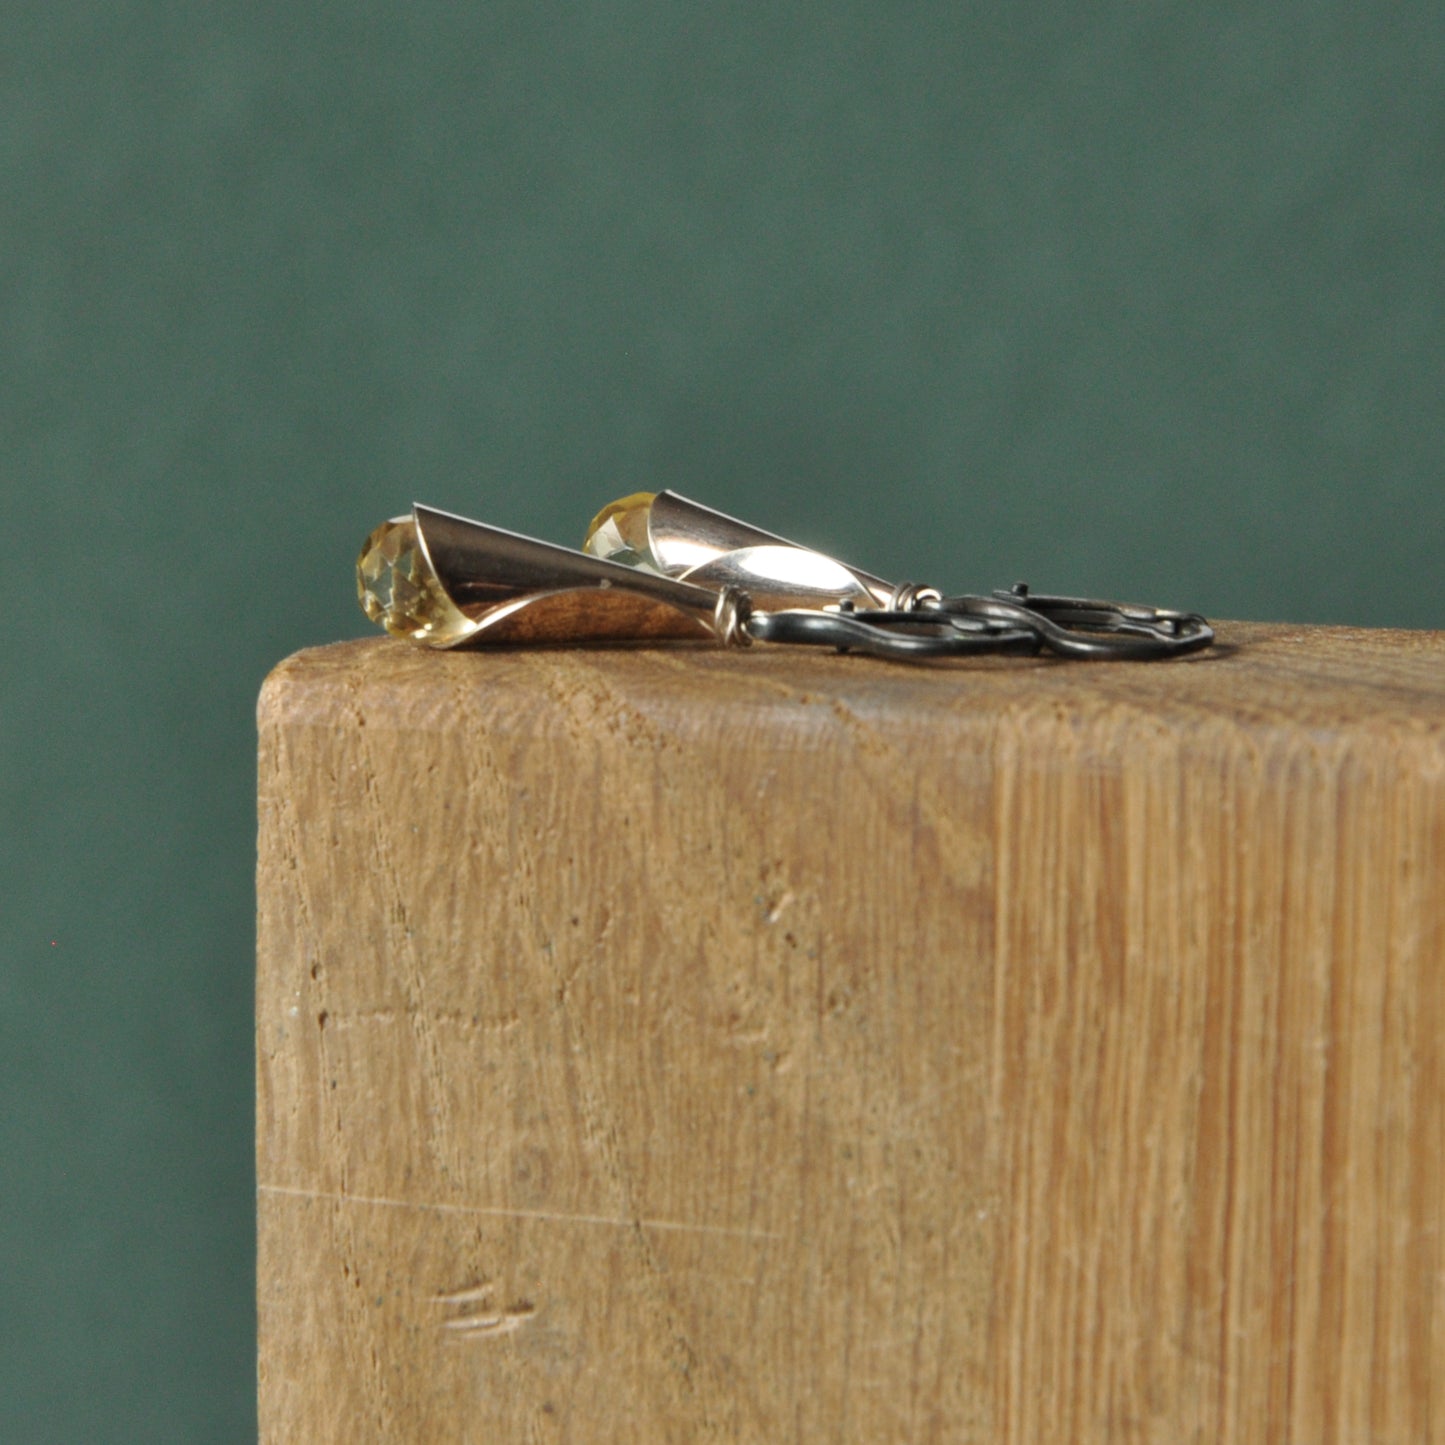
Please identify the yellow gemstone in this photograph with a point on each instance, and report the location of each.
(619, 533)
(398, 589)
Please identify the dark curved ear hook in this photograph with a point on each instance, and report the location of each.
(911, 635)
(1083, 628)
(1002, 623)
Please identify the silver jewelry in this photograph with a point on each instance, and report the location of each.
(659, 566)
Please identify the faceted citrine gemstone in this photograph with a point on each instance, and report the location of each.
(398, 589)
(619, 533)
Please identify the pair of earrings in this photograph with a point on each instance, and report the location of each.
(657, 566)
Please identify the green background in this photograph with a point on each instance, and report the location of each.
(1141, 300)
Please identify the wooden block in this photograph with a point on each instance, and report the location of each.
(684, 1045)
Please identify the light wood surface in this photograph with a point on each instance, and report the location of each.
(681, 1045)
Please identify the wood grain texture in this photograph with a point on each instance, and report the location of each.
(679, 1045)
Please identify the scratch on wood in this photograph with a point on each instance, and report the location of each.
(488, 1324)
(485, 1326)
(469, 1295)
(546, 1216)
(780, 907)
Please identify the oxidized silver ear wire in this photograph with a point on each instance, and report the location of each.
(657, 566)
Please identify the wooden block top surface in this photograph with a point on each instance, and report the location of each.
(1258, 675)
